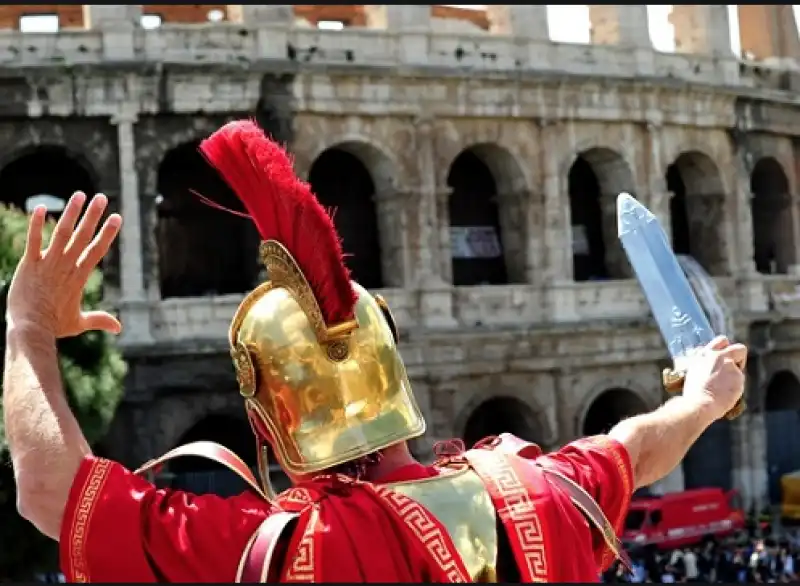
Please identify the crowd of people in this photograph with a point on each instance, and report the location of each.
(739, 560)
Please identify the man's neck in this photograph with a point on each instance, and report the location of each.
(394, 458)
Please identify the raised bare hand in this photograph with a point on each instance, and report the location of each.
(715, 377)
(47, 286)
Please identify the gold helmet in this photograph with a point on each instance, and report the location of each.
(315, 354)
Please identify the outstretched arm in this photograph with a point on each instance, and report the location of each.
(45, 441)
(645, 448)
(656, 442)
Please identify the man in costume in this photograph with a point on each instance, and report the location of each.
(323, 384)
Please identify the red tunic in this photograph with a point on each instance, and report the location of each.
(118, 527)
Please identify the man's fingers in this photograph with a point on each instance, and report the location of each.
(101, 321)
(33, 242)
(94, 253)
(87, 227)
(718, 343)
(66, 224)
(737, 353)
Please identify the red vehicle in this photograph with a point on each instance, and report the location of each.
(683, 518)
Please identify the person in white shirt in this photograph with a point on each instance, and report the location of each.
(690, 565)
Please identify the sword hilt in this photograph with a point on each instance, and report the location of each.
(673, 383)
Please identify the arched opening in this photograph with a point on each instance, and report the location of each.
(201, 250)
(697, 210)
(202, 476)
(595, 179)
(47, 175)
(611, 407)
(782, 421)
(482, 217)
(344, 185)
(501, 415)
(773, 234)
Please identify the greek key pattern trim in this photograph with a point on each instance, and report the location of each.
(296, 496)
(611, 447)
(304, 564)
(92, 486)
(429, 532)
(517, 510)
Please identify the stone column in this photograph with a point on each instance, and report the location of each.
(134, 306)
(529, 22)
(399, 17)
(556, 233)
(784, 226)
(703, 30)
(753, 295)
(756, 440)
(117, 23)
(658, 200)
(514, 233)
(391, 206)
(536, 247)
(745, 262)
(442, 195)
(412, 22)
(272, 24)
(625, 25)
(426, 247)
(558, 261)
(741, 456)
(429, 234)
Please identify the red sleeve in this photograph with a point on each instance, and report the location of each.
(602, 467)
(117, 527)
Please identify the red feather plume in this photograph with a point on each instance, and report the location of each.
(284, 209)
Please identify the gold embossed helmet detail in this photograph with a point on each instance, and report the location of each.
(315, 354)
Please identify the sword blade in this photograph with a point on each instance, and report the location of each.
(680, 318)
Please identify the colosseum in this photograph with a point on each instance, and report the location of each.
(474, 164)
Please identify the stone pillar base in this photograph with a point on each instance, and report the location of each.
(135, 318)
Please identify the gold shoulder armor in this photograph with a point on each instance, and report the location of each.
(460, 501)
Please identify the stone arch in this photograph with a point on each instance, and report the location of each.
(382, 166)
(697, 210)
(201, 250)
(502, 414)
(782, 422)
(609, 408)
(202, 476)
(45, 174)
(773, 228)
(351, 179)
(486, 210)
(595, 178)
(782, 392)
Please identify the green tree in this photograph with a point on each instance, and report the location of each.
(92, 370)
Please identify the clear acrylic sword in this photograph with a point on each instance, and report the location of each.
(680, 318)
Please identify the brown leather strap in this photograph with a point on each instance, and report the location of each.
(210, 451)
(257, 558)
(580, 498)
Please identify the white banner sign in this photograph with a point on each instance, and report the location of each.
(474, 242)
